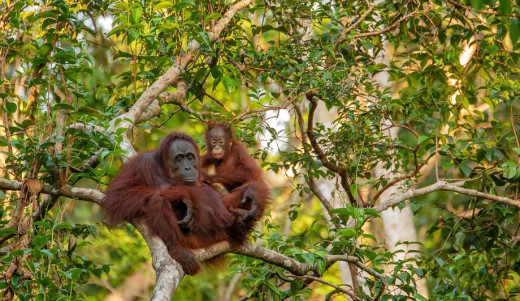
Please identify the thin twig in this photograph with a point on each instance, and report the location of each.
(486, 12)
(385, 30)
(336, 287)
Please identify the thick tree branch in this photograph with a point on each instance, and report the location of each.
(169, 273)
(178, 97)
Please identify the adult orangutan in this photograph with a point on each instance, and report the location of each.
(163, 188)
(236, 170)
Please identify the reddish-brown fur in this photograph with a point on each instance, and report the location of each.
(237, 171)
(144, 188)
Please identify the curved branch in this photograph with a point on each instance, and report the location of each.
(342, 172)
(310, 133)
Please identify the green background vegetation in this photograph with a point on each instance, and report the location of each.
(415, 90)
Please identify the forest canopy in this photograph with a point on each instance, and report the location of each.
(387, 132)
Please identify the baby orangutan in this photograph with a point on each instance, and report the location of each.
(236, 170)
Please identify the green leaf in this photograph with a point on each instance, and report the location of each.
(341, 211)
(163, 5)
(183, 4)
(273, 288)
(322, 265)
(205, 37)
(10, 107)
(422, 138)
(212, 16)
(39, 241)
(116, 30)
(371, 212)
(63, 225)
(294, 251)
(44, 49)
(477, 4)
(514, 32)
(465, 170)
(121, 5)
(228, 83)
(459, 237)
(43, 224)
(296, 285)
(293, 215)
(504, 7)
(348, 232)
(135, 15)
(354, 190)
(47, 252)
(62, 106)
(419, 297)
(309, 258)
(7, 232)
(510, 169)
(133, 35)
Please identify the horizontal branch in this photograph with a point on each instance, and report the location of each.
(292, 265)
(87, 127)
(443, 185)
(471, 192)
(84, 194)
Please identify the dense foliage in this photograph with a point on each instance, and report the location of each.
(349, 105)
